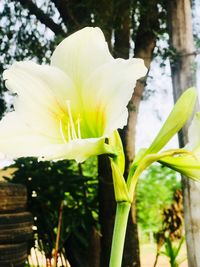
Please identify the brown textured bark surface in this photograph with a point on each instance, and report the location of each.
(183, 76)
(94, 249)
(107, 207)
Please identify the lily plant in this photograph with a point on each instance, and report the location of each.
(72, 108)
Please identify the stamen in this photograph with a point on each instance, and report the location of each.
(69, 132)
(71, 123)
(62, 133)
(73, 129)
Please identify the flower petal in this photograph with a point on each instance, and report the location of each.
(18, 140)
(107, 92)
(79, 149)
(42, 92)
(80, 53)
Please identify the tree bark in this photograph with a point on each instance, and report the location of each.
(183, 76)
(42, 17)
(107, 207)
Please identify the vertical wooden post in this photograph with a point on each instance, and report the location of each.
(183, 76)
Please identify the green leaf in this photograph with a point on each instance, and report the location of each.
(179, 247)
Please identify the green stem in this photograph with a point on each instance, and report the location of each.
(119, 233)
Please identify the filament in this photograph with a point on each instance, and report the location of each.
(62, 133)
(79, 128)
(71, 122)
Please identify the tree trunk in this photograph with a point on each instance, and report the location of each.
(183, 76)
(145, 43)
(131, 255)
(107, 208)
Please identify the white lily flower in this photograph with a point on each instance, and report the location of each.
(67, 109)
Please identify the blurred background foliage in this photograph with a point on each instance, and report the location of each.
(155, 192)
(49, 184)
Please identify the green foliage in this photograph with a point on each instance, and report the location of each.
(155, 192)
(172, 251)
(22, 38)
(50, 183)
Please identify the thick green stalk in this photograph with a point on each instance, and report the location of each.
(119, 233)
